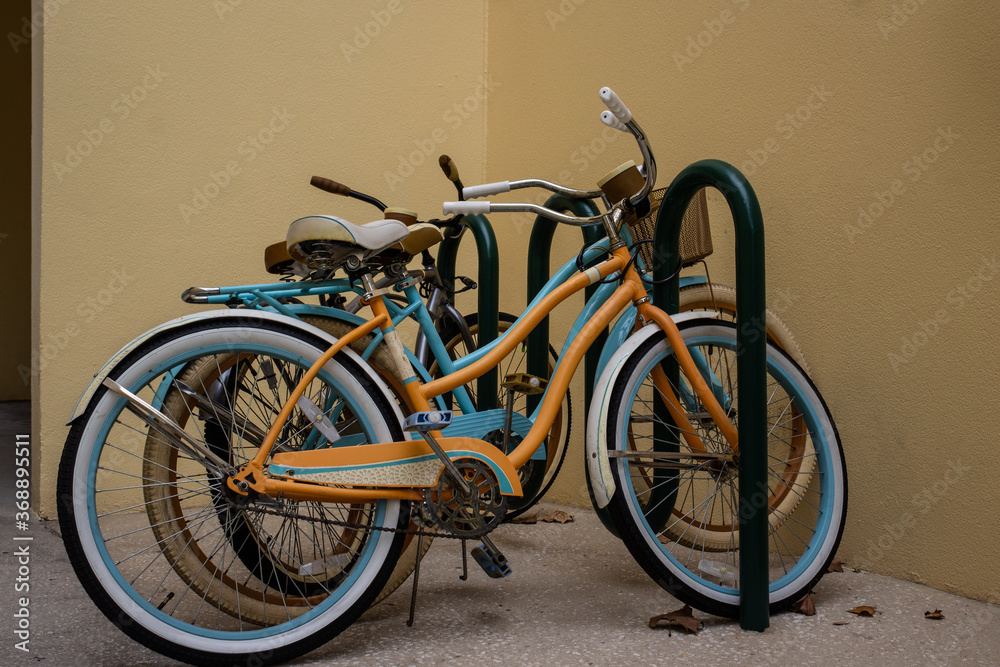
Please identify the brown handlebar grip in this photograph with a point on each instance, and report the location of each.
(330, 186)
(448, 167)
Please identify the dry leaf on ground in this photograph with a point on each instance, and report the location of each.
(835, 566)
(525, 519)
(557, 516)
(805, 606)
(935, 615)
(863, 610)
(841, 622)
(679, 618)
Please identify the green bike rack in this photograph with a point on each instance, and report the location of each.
(488, 293)
(751, 361)
(539, 253)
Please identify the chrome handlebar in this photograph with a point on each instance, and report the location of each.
(619, 118)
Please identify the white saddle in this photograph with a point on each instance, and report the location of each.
(322, 241)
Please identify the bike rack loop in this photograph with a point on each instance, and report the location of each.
(751, 360)
(539, 254)
(488, 293)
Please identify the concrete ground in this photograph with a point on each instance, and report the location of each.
(575, 598)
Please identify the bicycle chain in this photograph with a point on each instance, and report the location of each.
(357, 526)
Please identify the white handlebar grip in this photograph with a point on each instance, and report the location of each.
(611, 101)
(466, 207)
(486, 189)
(609, 119)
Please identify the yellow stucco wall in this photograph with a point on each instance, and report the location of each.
(900, 351)
(901, 354)
(207, 128)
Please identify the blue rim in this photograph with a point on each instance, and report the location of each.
(824, 465)
(282, 628)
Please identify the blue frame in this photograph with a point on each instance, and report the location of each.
(266, 296)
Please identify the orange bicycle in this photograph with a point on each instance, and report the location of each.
(266, 521)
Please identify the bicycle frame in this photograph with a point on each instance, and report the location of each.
(631, 290)
(269, 295)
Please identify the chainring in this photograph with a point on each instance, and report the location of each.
(470, 515)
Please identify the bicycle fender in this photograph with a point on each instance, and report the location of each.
(240, 314)
(623, 326)
(620, 330)
(602, 484)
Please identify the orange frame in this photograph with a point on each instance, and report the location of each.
(631, 290)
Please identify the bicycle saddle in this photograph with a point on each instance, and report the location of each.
(326, 241)
(422, 236)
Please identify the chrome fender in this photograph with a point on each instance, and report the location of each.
(599, 467)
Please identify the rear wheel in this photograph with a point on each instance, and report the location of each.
(164, 548)
(722, 299)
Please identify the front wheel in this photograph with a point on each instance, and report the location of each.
(676, 509)
(175, 559)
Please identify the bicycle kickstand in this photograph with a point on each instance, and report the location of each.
(416, 580)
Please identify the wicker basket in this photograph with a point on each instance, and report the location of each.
(696, 236)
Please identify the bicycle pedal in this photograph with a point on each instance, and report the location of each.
(492, 561)
(524, 383)
(430, 420)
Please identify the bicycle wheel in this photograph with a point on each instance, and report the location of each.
(722, 298)
(381, 362)
(536, 475)
(162, 546)
(679, 520)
